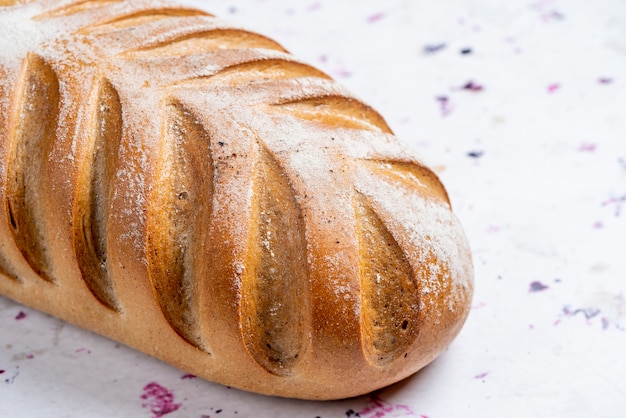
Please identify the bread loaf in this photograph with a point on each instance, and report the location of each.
(190, 189)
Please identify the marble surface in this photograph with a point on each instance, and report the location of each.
(520, 106)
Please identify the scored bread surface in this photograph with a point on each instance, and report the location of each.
(192, 190)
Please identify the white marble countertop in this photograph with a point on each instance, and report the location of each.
(520, 106)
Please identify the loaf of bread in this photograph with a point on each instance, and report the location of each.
(190, 189)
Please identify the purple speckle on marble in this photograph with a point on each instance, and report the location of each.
(537, 286)
(444, 105)
(473, 86)
(159, 399)
(10, 380)
(188, 376)
(588, 313)
(433, 48)
(547, 12)
(481, 375)
(592, 316)
(21, 315)
(475, 153)
(605, 80)
(552, 15)
(617, 203)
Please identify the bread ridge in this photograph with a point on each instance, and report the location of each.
(192, 190)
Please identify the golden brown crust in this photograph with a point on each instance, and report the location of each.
(190, 189)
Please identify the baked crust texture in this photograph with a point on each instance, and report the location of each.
(190, 189)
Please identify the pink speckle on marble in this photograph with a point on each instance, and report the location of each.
(21, 315)
(342, 72)
(188, 376)
(552, 88)
(375, 17)
(83, 350)
(605, 80)
(378, 408)
(587, 147)
(481, 375)
(315, 6)
(159, 399)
